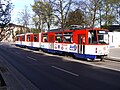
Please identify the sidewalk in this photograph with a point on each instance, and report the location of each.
(114, 54)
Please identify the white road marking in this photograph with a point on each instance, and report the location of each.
(65, 71)
(31, 58)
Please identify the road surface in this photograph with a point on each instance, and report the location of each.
(38, 71)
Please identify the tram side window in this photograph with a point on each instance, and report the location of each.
(18, 38)
(58, 38)
(35, 38)
(92, 38)
(45, 38)
(28, 38)
(23, 38)
(68, 37)
(103, 37)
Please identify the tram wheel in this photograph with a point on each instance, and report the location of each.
(93, 60)
(102, 58)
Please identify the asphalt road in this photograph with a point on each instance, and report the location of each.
(55, 73)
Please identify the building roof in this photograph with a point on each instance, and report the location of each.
(15, 25)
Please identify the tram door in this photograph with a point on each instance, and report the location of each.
(51, 44)
(81, 42)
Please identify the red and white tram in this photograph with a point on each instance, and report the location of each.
(85, 43)
(91, 43)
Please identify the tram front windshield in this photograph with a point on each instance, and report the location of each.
(101, 37)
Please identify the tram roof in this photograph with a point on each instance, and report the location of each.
(72, 29)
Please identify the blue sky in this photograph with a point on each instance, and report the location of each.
(18, 7)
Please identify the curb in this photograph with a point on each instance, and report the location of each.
(113, 59)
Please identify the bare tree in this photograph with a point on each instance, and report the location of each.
(116, 6)
(83, 6)
(92, 10)
(100, 12)
(61, 9)
(24, 17)
(43, 10)
(9, 31)
(95, 12)
(37, 22)
(5, 17)
(107, 11)
(75, 18)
